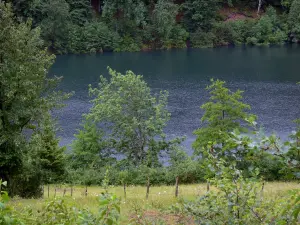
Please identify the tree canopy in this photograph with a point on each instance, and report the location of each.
(26, 94)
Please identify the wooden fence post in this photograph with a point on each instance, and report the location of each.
(124, 187)
(71, 190)
(148, 188)
(86, 192)
(176, 187)
(48, 190)
(208, 186)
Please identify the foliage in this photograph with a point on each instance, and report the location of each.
(109, 209)
(238, 200)
(46, 154)
(164, 18)
(223, 114)
(200, 14)
(6, 213)
(25, 92)
(58, 211)
(128, 44)
(268, 30)
(184, 167)
(132, 118)
(55, 24)
(89, 148)
(80, 11)
(125, 11)
(294, 19)
(200, 39)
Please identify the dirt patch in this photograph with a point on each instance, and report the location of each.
(233, 14)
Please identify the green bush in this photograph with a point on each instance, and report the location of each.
(92, 37)
(128, 44)
(201, 39)
(268, 30)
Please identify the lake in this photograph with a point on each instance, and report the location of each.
(268, 76)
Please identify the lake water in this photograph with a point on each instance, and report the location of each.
(268, 77)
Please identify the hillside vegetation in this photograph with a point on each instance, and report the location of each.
(77, 26)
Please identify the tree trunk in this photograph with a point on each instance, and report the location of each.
(176, 187)
(71, 190)
(54, 192)
(259, 6)
(65, 190)
(48, 190)
(148, 188)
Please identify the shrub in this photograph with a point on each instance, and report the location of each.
(267, 30)
(201, 39)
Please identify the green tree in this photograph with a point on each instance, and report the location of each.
(294, 19)
(80, 11)
(224, 113)
(125, 14)
(268, 30)
(133, 119)
(26, 94)
(55, 24)
(200, 14)
(89, 148)
(164, 18)
(46, 153)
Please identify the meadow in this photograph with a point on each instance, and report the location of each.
(160, 199)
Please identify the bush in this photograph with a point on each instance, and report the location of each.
(128, 44)
(267, 30)
(92, 37)
(201, 39)
(177, 38)
(232, 32)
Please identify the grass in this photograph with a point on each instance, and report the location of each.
(160, 197)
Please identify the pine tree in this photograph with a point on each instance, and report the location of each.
(224, 113)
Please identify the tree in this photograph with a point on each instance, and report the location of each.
(133, 119)
(89, 148)
(55, 24)
(26, 94)
(164, 18)
(224, 113)
(46, 153)
(80, 11)
(200, 14)
(268, 30)
(124, 13)
(294, 19)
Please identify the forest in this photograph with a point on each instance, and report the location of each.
(84, 26)
(122, 143)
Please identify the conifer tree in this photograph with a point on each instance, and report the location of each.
(224, 113)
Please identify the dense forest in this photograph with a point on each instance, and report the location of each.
(122, 139)
(84, 26)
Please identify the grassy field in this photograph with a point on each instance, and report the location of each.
(160, 197)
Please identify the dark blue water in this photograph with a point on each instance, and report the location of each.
(267, 75)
